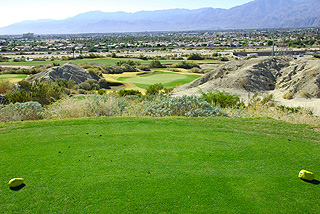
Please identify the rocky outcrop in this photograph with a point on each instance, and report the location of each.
(68, 71)
(299, 77)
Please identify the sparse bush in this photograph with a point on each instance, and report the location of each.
(268, 100)
(101, 91)
(185, 65)
(288, 96)
(56, 64)
(44, 92)
(95, 71)
(196, 70)
(128, 62)
(103, 83)
(304, 94)
(128, 68)
(189, 106)
(5, 86)
(222, 99)
(144, 67)
(21, 111)
(90, 84)
(85, 86)
(195, 56)
(88, 106)
(168, 90)
(154, 89)
(124, 92)
(156, 64)
(174, 69)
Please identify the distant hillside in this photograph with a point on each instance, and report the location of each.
(255, 14)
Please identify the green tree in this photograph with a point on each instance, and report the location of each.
(156, 64)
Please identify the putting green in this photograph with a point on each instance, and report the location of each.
(167, 79)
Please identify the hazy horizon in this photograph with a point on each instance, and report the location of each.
(21, 10)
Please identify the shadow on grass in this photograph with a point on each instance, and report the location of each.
(18, 187)
(315, 182)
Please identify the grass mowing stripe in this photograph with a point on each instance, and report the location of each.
(152, 165)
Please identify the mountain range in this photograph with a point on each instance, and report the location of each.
(255, 14)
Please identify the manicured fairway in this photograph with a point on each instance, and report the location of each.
(13, 76)
(152, 165)
(168, 79)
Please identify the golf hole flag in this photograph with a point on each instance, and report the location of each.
(306, 175)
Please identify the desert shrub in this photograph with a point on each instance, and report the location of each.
(185, 65)
(101, 91)
(44, 92)
(289, 110)
(90, 84)
(195, 56)
(267, 100)
(94, 71)
(143, 57)
(106, 69)
(88, 106)
(196, 70)
(222, 99)
(154, 89)
(128, 62)
(5, 86)
(168, 90)
(56, 64)
(85, 65)
(103, 83)
(288, 96)
(156, 64)
(264, 101)
(144, 67)
(304, 94)
(25, 84)
(128, 68)
(65, 83)
(124, 92)
(189, 106)
(174, 69)
(22, 111)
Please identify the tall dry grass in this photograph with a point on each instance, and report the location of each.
(87, 106)
(303, 116)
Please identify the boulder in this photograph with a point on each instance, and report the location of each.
(68, 71)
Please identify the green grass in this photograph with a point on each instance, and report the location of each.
(13, 76)
(168, 79)
(104, 61)
(159, 165)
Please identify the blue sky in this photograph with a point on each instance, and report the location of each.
(13, 11)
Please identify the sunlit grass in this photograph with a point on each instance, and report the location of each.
(155, 165)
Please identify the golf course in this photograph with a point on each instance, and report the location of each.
(167, 79)
(159, 165)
